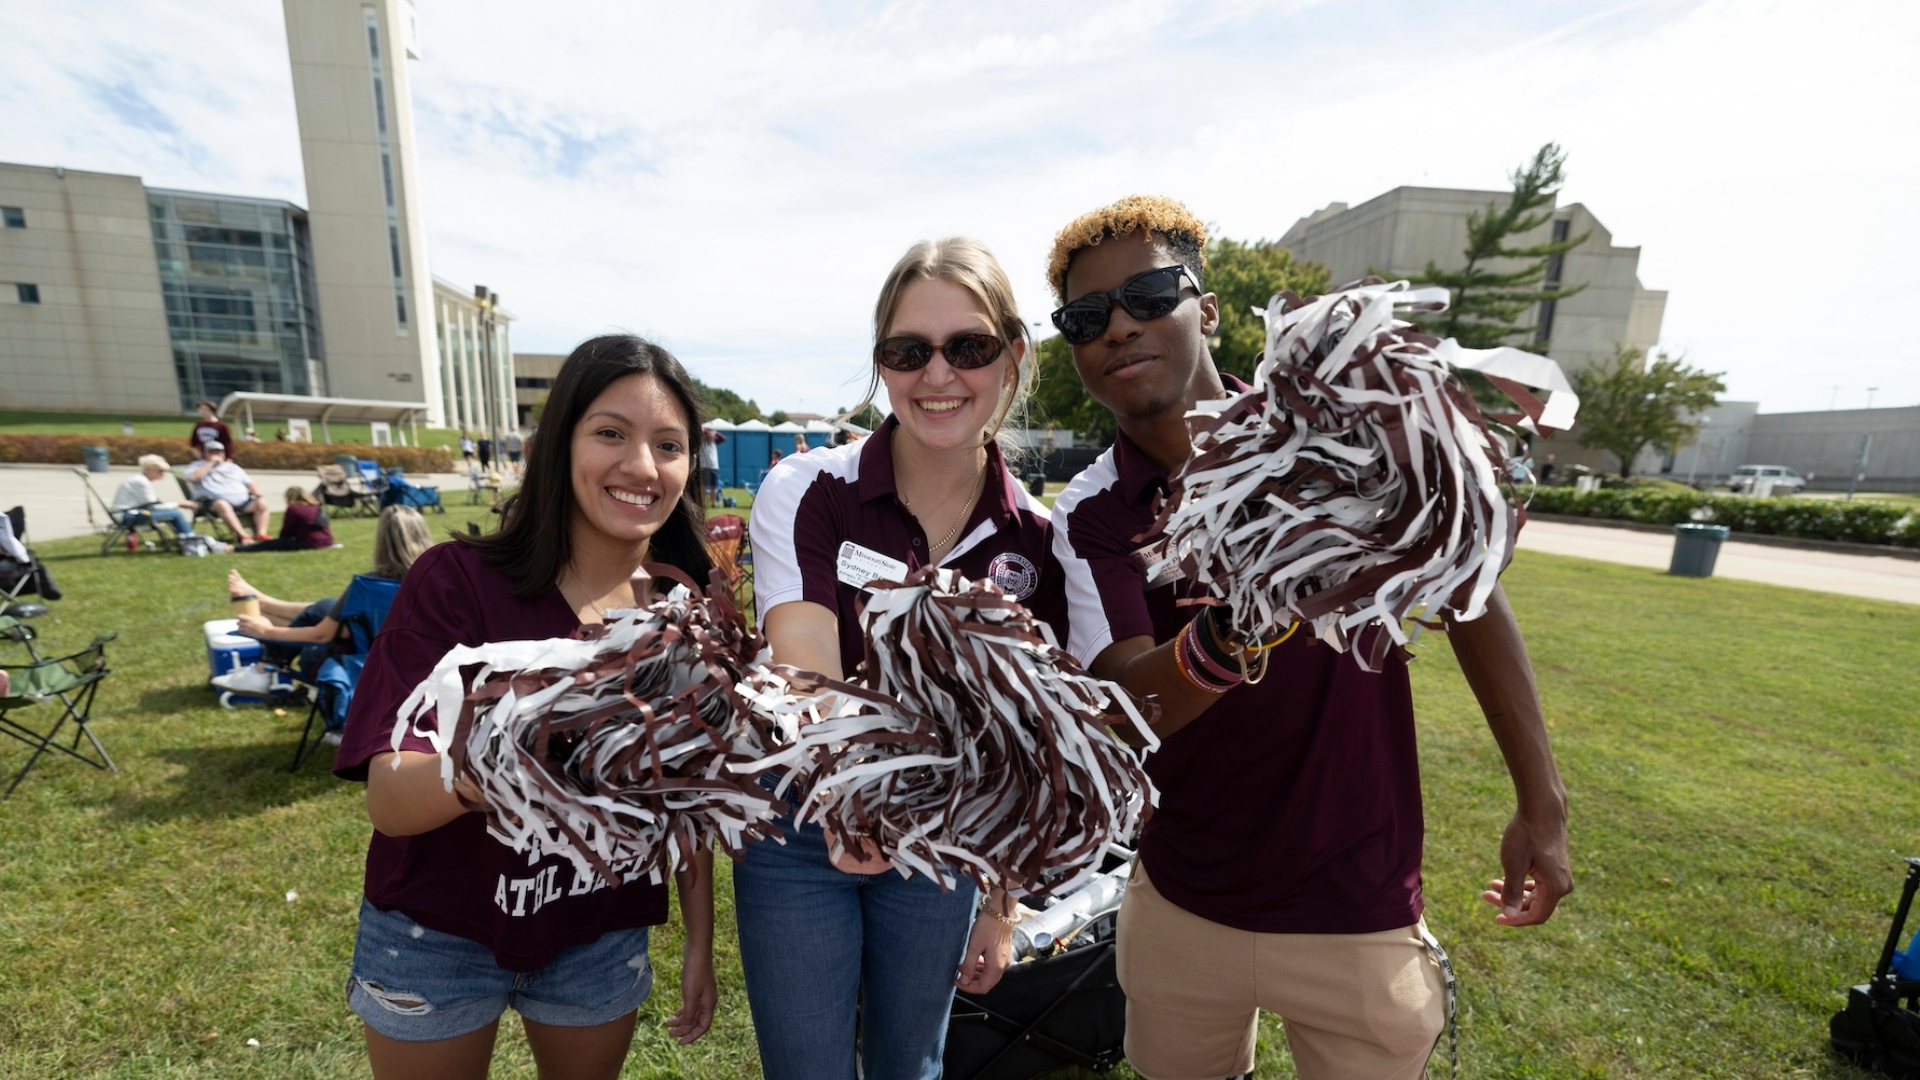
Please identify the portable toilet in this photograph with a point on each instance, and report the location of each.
(726, 449)
(753, 452)
(819, 433)
(783, 434)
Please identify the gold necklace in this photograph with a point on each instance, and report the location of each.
(965, 512)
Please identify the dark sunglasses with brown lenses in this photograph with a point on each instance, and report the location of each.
(1144, 296)
(963, 351)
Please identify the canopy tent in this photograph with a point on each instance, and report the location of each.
(301, 407)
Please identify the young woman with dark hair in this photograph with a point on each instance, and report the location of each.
(831, 946)
(456, 926)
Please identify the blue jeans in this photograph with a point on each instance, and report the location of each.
(171, 516)
(822, 947)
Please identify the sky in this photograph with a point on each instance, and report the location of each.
(734, 180)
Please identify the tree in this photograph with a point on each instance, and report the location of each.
(1246, 276)
(1487, 302)
(1627, 405)
(727, 405)
(1242, 275)
(868, 417)
(779, 417)
(1059, 399)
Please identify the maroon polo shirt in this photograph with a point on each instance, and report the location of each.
(813, 505)
(458, 879)
(1289, 806)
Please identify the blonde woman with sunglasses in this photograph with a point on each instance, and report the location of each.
(826, 940)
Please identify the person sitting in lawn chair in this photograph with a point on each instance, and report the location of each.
(136, 504)
(227, 490)
(297, 634)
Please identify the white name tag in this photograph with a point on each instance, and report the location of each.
(859, 566)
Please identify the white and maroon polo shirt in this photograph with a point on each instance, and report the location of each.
(828, 521)
(1289, 806)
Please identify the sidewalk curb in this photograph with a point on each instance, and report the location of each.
(1838, 547)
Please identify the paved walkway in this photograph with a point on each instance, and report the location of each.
(1874, 576)
(57, 504)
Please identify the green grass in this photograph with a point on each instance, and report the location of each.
(14, 422)
(1741, 759)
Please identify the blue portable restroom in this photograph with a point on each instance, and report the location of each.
(726, 449)
(752, 452)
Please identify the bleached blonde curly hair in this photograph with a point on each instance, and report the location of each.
(1151, 214)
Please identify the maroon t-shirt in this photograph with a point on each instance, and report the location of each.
(206, 431)
(302, 522)
(1289, 806)
(836, 506)
(458, 879)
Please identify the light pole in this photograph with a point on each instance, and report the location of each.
(1870, 391)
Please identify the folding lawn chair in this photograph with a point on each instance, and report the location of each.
(362, 612)
(732, 552)
(68, 682)
(337, 492)
(19, 577)
(373, 478)
(403, 492)
(129, 523)
(203, 514)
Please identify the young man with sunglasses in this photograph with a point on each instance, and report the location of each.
(1281, 869)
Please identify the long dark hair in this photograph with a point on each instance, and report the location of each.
(534, 544)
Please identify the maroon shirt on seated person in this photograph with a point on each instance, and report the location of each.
(1289, 806)
(301, 523)
(458, 879)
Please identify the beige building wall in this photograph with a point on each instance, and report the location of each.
(97, 340)
(375, 350)
(532, 377)
(1399, 232)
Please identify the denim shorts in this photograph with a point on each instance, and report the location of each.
(419, 985)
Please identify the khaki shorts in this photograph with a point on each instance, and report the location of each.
(1358, 1006)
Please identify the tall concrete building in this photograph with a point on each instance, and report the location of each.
(350, 89)
(82, 325)
(1399, 232)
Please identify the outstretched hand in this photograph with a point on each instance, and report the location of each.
(1533, 855)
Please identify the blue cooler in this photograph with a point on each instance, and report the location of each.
(227, 652)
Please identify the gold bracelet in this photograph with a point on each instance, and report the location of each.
(986, 909)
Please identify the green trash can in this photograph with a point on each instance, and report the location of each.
(1695, 547)
(95, 457)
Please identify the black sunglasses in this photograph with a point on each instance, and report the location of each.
(963, 351)
(1145, 296)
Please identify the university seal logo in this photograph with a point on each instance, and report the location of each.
(1015, 574)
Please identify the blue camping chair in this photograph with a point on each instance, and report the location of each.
(362, 612)
(403, 492)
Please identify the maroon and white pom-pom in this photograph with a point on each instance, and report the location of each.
(967, 743)
(1356, 482)
(617, 747)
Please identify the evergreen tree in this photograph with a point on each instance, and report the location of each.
(1627, 405)
(1487, 303)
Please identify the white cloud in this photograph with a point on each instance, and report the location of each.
(736, 179)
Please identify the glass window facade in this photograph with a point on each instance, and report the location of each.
(237, 278)
(14, 217)
(28, 294)
(372, 20)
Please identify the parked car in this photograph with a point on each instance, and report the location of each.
(1785, 480)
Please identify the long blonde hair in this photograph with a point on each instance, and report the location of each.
(400, 538)
(966, 262)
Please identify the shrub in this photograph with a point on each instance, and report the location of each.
(1809, 519)
(285, 456)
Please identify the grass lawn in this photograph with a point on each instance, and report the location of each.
(1742, 763)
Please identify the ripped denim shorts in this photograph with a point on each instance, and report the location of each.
(419, 985)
